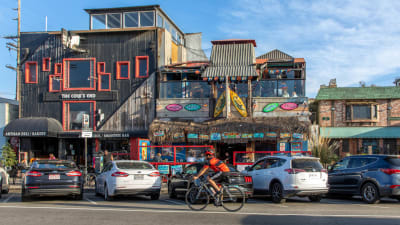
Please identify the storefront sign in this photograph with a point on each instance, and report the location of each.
(192, 136)
(247, 135)
(289, 106)
(174, 107)
(270, 107)
(282, 146)
(78, 96)
(229, 135)
(192, 107)
(215, 137)
(204, 136)
(296, 146)
(143, 149)
(176, 169)
(258, 135)
(297, 136)
(271, 134)
(179, 135)
(25, 134)
(159, 133)
(163, 169)
(285, 135)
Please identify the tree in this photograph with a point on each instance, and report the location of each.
(8, 158)
(324, 148)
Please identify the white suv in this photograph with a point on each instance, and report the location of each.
(284, 176)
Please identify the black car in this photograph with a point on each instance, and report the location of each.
(371, 176)
(52, 178)
(178, 184)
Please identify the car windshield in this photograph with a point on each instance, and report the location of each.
(53, 165)
(309, 165)
(134, 165)
(393, 160)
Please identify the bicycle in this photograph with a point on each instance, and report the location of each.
(197, 198)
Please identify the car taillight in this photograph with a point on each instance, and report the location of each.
(34, 174)
(119, 174)
(394, 186)
(390, 171)
(74, 174)
(294, 171)
(324, 171)
(248, 179)
(155, 174)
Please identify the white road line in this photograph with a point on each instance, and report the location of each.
(8, 199)
(374, 206)
(91, 201)
(174, 202)
(198, 212)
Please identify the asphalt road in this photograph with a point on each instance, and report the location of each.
(141, 210)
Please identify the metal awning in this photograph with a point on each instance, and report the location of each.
(33, 127)
(360, 132)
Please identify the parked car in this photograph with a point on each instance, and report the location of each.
(4, 177)
(284, 176)
(128, 177)
(371, 176)
(52, 178)
(178, 184)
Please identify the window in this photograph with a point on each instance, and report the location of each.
(98, 21)
(345, 145)
(360, 162)
(104, 82)
(123, 69)
(113, 20)
(359, 112)
(79, 74)
(147, 19)
(259, 165)
(142, 66)
(342, 164)
(54, 83)
(279, 88)
(131, 19)
(75, 111)
(101, 67)
(185, 89)
(46, 64)
(31, 72)
(58, 68)
(160, 21)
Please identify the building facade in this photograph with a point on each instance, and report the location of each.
(8, 113)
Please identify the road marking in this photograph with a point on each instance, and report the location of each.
(8, 199)
(174, 202)
(374, 206)
(198, 212)
(91, 201)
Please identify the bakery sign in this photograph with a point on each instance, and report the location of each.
(25, 134)
(78, 96)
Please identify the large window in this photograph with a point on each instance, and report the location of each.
(31, 72)
(113, 20)
(75, 112)
(360, 112)
(185, 89)
(288, 88)
(79, 74)
(98, 21)
(106, 21)
(147, 19)
(131, 19)
(142, 66)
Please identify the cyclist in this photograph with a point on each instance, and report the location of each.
(219, 167)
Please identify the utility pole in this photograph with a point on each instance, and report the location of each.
(19, 60)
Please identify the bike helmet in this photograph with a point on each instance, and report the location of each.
(209, 153)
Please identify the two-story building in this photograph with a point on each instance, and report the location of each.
(366, 120)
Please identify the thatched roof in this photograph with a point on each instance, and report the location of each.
(176, 131)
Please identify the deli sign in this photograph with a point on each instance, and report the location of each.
(25, 134)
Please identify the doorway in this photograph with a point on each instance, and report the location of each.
(229, 148)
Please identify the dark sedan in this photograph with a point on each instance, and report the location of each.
(178, 184)
(371, 176)
(52, 178)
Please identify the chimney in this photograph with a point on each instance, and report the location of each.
(332, 83)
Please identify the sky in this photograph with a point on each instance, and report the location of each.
(352, 41)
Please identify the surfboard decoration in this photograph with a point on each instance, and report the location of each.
(219, 107)
(270, 107)
(289, 106)
(238, 103)
(174, 107)
(192, 107)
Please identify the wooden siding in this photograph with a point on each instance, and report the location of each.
(137, 112)
(201, 114)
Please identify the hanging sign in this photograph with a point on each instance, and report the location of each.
(174, 107)
(159, 133)
(258, 135)
(285, 135)
(163, 169)
(271, 134)
(289, 106)
(178, 135)
(193, 136)
(215, 137)
(192, 107)
(229, 135)
(296, 146)
(270, 107)
(247, 135)
(204, 136)
(297, 136)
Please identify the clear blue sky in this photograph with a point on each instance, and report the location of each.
(348, 40)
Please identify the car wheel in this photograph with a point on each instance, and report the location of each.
(315, 198)
(370, 193)
(24, 197)
(155, 196)
(171, 191)
(106, 196)
(277, 193)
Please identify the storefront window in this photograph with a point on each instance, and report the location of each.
(278, 88)
(370, 146)
(76, 112)
(189, 154)
(79, 74)
(185, 89)
(161, 154)
(118, 147)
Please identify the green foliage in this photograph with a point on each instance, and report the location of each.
(8, 158)
(325, 149)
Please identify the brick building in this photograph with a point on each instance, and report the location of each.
(366, 120)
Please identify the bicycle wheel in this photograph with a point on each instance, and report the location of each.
(232, 199)
(197, 198)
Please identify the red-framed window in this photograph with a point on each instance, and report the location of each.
(46, 64)
(104, 82)
(142, 66)
(74, 113)
(123, 70)
(31, 72)
(58, 68)
(79, 74)
(55, 83)
(101, 67)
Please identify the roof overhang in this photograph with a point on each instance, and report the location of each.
(360, 132)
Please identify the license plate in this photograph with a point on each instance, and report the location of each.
(138, 177)
(54, 176)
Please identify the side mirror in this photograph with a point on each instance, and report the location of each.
(248, 168)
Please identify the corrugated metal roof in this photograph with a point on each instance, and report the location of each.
(232, 60)
(275, 55)
(345, 93)
(360, 132)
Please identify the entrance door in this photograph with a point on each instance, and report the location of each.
(226, 151)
